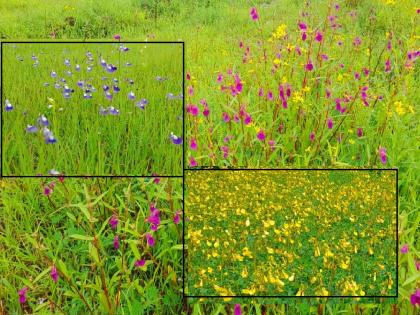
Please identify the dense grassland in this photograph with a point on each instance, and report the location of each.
(213, 31)
(89, 246)
(97, 126)
(291, 233)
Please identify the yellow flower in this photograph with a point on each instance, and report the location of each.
(244, 273)
(280, 31)
(277, 61)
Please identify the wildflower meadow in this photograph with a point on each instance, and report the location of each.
(91, 246)
(92, 109)
(282, 233)
(262, 84)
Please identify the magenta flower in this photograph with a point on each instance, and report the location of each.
(190, 90)
(193, 162)
(238, 85)
(225, 150)
(156, 180)
(177, 217)
(154, 219)
(382, 155)
(140, 263)
(312, 136)
(304, 36)
(47, 191)
(226, 117)
(404, 249)
(415, 298)
(309, 66)
(302, 26)
(318, 36)
(254, 14)
(54, 273)
(193, 110)
(357, 42)
(417, 263)
(193, 144)
(247, 119)
(206, 111)
(271, 144)
(387, 65)
(359, 132)
(219, 78)
(330, 123)
(261, 92)
(22, 295)
(237, 310)
(113, 221)
(261, 135)
(117, 36)
(116, 242)
(150, 240)
(188, 76)
(269, 95)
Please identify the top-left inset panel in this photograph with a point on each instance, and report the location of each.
(93, 108)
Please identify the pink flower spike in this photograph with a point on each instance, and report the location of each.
(415, 298)
(22, 295)
(261, 92)
(261, 135)
(188, 76)
(219, 78)
(237, 310)
(387, 65)
(309, 66)
(193, 162)
(190, 90)
(113, 221)
(247, 119)
(117, 36)
(226, 117)
(150, 240)
(383, 156)
(193, 109)
(359, 132)
(302, 26)
(330, 123)
(404, 249)
(54, 274)
(116, 242)
(312, 137)
(304, 36)
(193, 144)
(254, 14)
(140, 263)
(177, 217)
(318, 36)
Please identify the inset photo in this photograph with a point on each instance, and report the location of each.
(91, 245)
(92, 109)
(290, 233)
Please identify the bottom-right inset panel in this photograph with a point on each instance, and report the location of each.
(290, 232)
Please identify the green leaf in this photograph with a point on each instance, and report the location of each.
(82, 237)
(42, 274)
(411, 279)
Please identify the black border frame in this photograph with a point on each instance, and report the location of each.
(186, 297)
(182, 43)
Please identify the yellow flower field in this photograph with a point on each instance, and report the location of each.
(282, 233)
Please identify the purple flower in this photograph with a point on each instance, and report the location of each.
(330, 123)
(108, 96)
(382, 155)
(8, 106)
(43, 121)
(357, 42)
(53, 74)
(193, 109)
(309, 66)
(31, 129)
(359, 132)
(22, 295)
(226, 117)
(415, 298)
(150, 240)
(54, 273)
(324, 57)
(269, 95)
(177, 217)
(111, 68)
(261, 135)
(67, 62)
(87, 95)
(302, 26)
(116, 242)
(142, 103)
(117, 36)
(48, 136)
(387, 65)
(47, 191)
(254, 13)
(312, 136)
(113, 111)
(404, 249)
(102, 111)
(139, 263)
(175, 139)
(247, 119)
(237, 310)
(131, 96)
(113, 221)
(318, 36)
(116, 88)
(154, 219)
(357, 75)
(219, 78)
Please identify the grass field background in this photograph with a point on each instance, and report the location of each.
(212, 31)
(136, 141)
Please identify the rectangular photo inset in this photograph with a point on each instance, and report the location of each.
(91, 245)
(98, 109)
(290, 233)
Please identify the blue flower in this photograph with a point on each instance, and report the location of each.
(57, 86)
(53, 74)
(142, 103)
(102, 111)
(108, 95)
(103, 62)
(115, 80)
(105, 87)
(116, 88)
(80, 83)
(31, 129)
(43, 121)
(111, 68)
(48, 135)
(175, 140)
(131, 96)
(66, 89)
(66, 95)
(77, 68)
(67, 62)
(69, 73)
(113, 111)
(9, 106)
(87, 95)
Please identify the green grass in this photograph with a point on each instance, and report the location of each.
(70, 229)
(136, 142)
